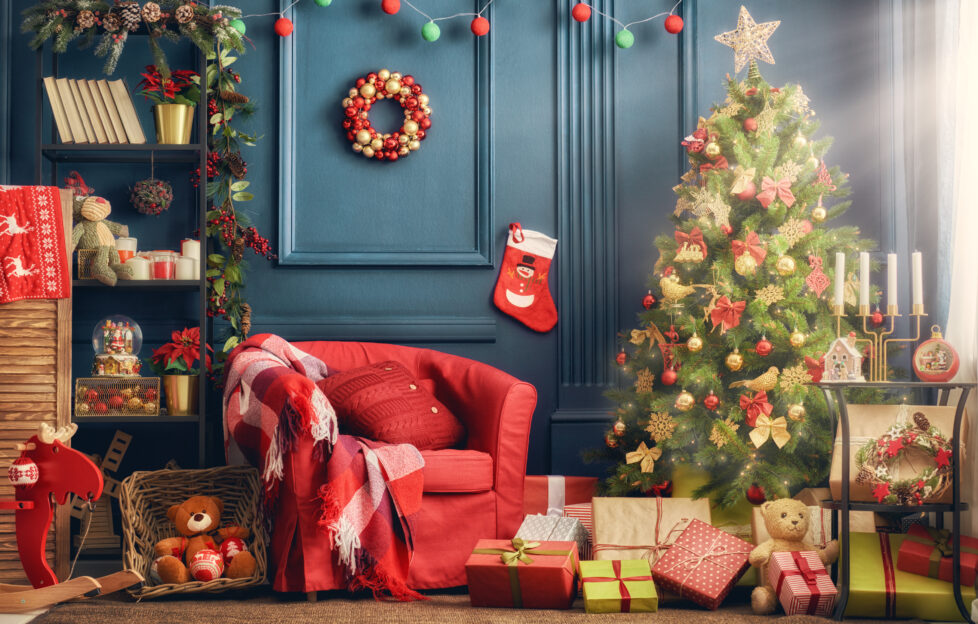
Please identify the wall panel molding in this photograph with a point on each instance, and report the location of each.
(396, 329)
(6, 43)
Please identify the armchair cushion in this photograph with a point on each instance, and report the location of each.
(384, 402)
(456, 471)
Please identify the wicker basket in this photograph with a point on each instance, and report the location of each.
(146, 496)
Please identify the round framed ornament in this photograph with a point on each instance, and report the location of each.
(935, 360)
(389, 146)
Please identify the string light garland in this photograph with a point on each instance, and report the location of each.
(624, 38)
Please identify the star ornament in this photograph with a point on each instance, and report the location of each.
(749, 40)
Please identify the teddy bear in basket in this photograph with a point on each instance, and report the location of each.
(196, 555)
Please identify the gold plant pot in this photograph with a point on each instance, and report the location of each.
(181, 394)
(173, 123)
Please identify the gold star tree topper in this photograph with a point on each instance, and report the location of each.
(749, 40)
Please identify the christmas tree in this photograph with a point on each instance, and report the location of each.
(719, 372)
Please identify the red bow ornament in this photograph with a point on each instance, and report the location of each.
(752, 245)
(719, 163)
(691, 241)
(815, 368)
(727, 313)
(771, 189)
(695, 142)
(755, 406)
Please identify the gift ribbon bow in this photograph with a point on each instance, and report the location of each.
(755, 406)
(776, 429)
(771, 189)
(742, 177)
(727, 313)
(626, 597)
(940, 540)
(652, 551)
(810, 576)
(751, 245)
(718, 164)
(520, 554)
(645, 455)
(695, 237)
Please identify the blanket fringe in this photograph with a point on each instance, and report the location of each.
(383, 585)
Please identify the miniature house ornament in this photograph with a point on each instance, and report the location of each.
(843, 361)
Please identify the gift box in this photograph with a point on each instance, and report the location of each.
(584, 513)
(522, 575)
(927, 552)
(618, 587)
(802, 583)
(878, 589)
(642, 528)
(542, 493)
(910, 520)
(703, 564)
(866, 424)
(556, 529)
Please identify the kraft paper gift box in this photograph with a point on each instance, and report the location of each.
(802, 583)
(927, 552)
(522, 575)
(859, 521)
(878, 589)
(541, 493)
(618, 587)
(867, 423)
(642, 528)
(556, 529)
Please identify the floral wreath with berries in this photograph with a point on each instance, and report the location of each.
(381, 85)
(875, 459)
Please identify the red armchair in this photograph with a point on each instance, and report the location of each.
(469, 493)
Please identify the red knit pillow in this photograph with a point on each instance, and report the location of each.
(383, 402)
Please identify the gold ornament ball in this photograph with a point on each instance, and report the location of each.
(368, 152)
(796, 411)
(712, 150)
(414, 145)
(347, 102)
(410, 127)
(149, 407)
(403, 150)
(393, 86)
(611, 442)
(357, 147)
(422, 100)
(368, 90)
(396, 75)
(813, 162)
(134, 404)
(405, 91)
(797, 339)
(695, 343)
(363, 137)
(377, 144)
(735, 361)
(800, 141)
(354, 92)
(619, 428)
(384, 74)
(819, 214)
(426, 110)
(745, 265)
(785, 266)
(126, 393)
(83, 408)
(685, 401)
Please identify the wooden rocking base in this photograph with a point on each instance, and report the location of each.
(21, 598)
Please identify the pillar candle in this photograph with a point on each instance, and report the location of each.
(864, 280)
(840, 278)
(892, 301)
(185, 268)
(190, 248)
(126, 246)
(163, 265)
(918, 278)
(140, 267)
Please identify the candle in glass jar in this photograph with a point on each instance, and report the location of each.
(185, 268)
(863, 281)
(163, 266)
(126, 246)
(840, 278)
(140, 267)
(918, 278)
(190, 248)
(892, 300)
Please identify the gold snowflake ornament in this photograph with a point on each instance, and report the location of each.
(769, 295)
(706, 203)
(643, 384)
(661, 426)
(719, 437)
(749, 40)
(765, 120)
(789, 170)
(794, 376)
(792, 231)
(730, 108)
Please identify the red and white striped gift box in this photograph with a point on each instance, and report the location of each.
(801, 583)
(582, 511)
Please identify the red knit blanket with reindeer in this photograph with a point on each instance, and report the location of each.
(32, 244)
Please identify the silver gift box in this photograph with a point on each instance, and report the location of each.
(556, 529)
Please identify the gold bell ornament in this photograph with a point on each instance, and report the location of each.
(785, 266)
(685, 401)
(695, 343)
(735, 361)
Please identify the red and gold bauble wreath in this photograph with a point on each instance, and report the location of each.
(389, 145)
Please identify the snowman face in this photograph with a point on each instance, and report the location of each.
(524, 271)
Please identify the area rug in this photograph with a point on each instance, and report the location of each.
(265, 607)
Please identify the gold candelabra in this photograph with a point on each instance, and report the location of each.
(878, 341)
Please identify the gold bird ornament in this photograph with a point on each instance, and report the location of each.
(763, 383)
(672, 290)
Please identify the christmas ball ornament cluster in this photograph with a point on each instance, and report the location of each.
(151, 197)
(381, 85)
(109, 401)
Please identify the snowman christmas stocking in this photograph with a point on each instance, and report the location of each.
(522, 290)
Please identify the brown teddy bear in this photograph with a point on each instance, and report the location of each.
(94, 232)
(786, 520)
(196, 519)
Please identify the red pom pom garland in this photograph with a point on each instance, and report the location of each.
(381, 85)
(480, 26)
(283, 27)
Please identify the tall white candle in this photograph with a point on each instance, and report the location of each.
(864, 279)
(185, 268)
(840, 278)
(892, 300)
(918, 278)
(190, 248)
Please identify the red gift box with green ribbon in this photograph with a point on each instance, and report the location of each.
(521, 574)
(927, 551)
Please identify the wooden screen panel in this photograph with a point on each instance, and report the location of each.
(35, 353)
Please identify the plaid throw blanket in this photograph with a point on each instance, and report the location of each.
(32, 244)
(372, 491)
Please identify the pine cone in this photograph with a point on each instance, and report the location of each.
(865, 476)
(237, 165)
(151, 12)
(130, 16)
(111, 23)
(184, 13)
(921, 421)
(86, 19)
(234, 97)
(237, 249)
(245, 319)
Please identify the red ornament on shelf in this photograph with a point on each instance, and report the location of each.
(750, 124)
(648, 300)
(621, 358)
(283, 27)
(763, 347)
(712, 401)
(935, 360)
(581, 12)
(479, 26)
(669, 376)
(877, 318)
(756, 494)
(673, 24)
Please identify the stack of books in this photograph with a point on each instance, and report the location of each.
(93, 111)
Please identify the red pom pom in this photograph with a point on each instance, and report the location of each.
(581, 12)
(390, 6)
(750, 124)
(668, 376)
(673, 24)
(479, 26)
(756, 494)
(283, 27)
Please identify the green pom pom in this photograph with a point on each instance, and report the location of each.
(430, 31)
(238, 25)
(624, 39)
(324, 3)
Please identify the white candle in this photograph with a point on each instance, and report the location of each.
(891, 283)
(140, 267)
(864, 280)
(190, 248)
(840, 278)
(185, 268)
(918, 278)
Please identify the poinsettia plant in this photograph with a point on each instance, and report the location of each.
(180, 355)
(179, 86)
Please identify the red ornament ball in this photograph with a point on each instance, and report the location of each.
(673, 24)
(712, 401)
(91, 396)
(877, 318)
(750, 124)
(479, 26)
(748, 193)
(23, 472)
(727, 229)
(669, 376)
(116, 402)
(150, 394)
(619, 428)
(756, 494)
(621, 357)
(283, 27)
(581, 12)
(610, 440)
(764, 347)
(206, 565)
(100, 408)
(648, 300)
(231, 547)
(390, 6)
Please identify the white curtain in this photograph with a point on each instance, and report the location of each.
(962, 324)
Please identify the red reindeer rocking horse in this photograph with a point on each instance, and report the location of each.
(46, 472)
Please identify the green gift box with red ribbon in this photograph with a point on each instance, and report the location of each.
(618, 586)
(521, 574)
(927, 551)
